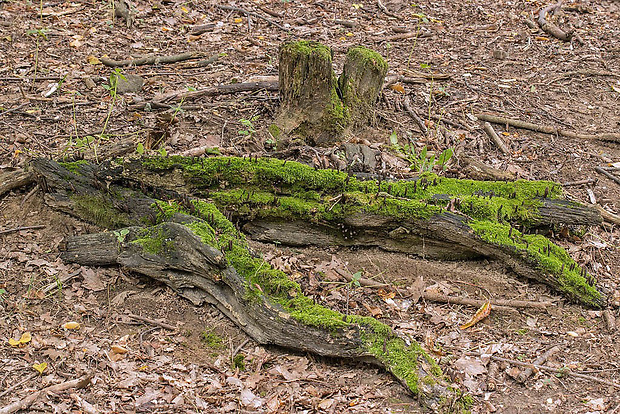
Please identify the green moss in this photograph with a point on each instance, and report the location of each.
(153, 240)
(275, 131)
(212, 339)
(100, 210)
(266, 283)
(547, 257)
(368, 57)
(306, 193)
(74, 166)
(239, 362)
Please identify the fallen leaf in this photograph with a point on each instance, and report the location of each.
(93, 60)
(117, 349)
(480, 314)
(71, 325)
(397, 87)
(23, 340)
(40, 367)
(238, 20)
(374, 311)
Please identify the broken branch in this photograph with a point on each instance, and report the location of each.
(151, 60)
(608, 136)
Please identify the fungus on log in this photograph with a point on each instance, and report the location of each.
(318, 107)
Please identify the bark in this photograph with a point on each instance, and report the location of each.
(316, 106)
(172, 220)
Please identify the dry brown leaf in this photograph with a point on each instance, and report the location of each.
(480, 314)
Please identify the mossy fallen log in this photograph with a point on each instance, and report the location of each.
(433, 217)
(193, 248)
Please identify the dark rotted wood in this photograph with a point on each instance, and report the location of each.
(15, 179)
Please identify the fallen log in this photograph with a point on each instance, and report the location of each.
(192, 247)
(172, 219)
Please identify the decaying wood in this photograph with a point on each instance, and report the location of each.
(151, 60)
(202, 274)
(477, 170)
(527, 372)
(221, 90)
(26, 402)
(608, 136)
(488, 128)
(249, 13)
(509, 303)
(15, 179)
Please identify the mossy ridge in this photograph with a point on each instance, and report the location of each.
(263, 281)
(547, 256)
(516, 201)
(100, 211)
(153, 240)
(74, 166)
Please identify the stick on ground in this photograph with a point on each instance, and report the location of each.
(608, 136)
(495, 138)
(26, 402)
(151, 60)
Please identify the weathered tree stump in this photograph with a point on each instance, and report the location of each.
(316, 106)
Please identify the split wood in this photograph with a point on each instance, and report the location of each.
(564, 371)
(26, 402)
(607, 174)
(608, 136)
(249, 13)
(16, 229)
(498, 304)
(495, 138)
(610, 320)
(151, 60)
(527, 372)
(152, 322)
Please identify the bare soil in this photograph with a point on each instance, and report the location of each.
(495, 64)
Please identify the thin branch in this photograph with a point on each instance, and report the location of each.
(152, 322)
(16, 229)
(608, 136)
(152, 60)
(607, 174)
(258, 16)
(495, 138)
(26, 402)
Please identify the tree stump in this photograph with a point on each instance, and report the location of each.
(318, 108)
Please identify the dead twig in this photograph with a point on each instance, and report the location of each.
(607, 174)
(151, 60)
(385, 10)
(553, 30)
(415, 116)
(579, 182)
(495, 138)
(584, 72)
(222, 90)
(26, 402)
(16, 229)
(527, 372)
(562, 371)
(436, 297)
(249, 13)
(608, 136)
(152, 322)
(19, 384)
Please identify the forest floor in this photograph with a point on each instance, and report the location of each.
(460, 58)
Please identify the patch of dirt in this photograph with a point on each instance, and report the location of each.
(55, 103)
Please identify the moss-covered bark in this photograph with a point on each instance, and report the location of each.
(316, 106)
(193, 248)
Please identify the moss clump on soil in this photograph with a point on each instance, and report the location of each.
(212, 339)
(100, 211)
(547, 256)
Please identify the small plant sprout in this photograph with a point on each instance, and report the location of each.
(421, 161)
(121, 234)
(249, 126)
